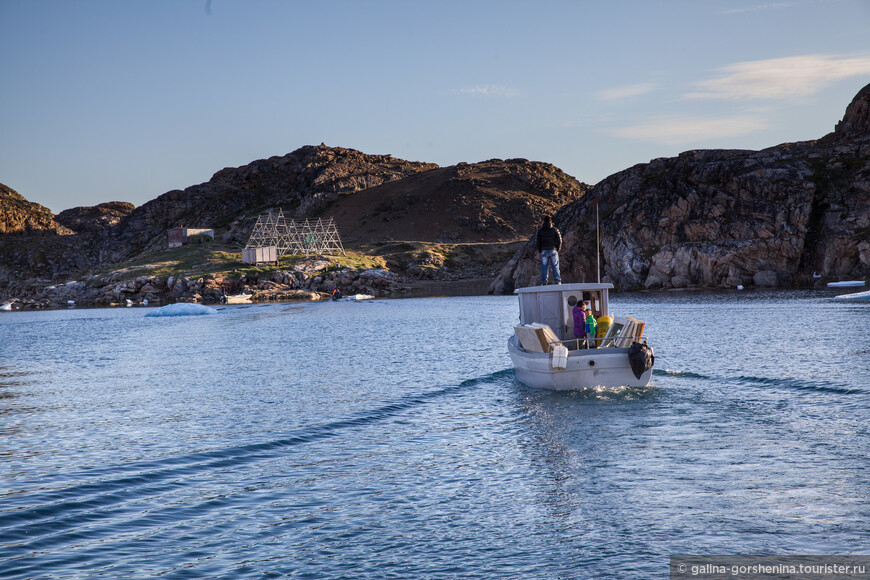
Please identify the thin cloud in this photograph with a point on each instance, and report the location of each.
(760, 7)
(486, 91)
(779, 78)
(625, 92)
(684, 130)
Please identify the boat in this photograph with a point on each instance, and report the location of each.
(7, 307)
(238, 299)
(846, 284)
(546, 355)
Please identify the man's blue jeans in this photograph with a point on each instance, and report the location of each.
(550, 258)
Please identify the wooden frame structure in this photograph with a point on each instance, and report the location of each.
(296, 237)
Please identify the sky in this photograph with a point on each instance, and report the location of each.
(115, 100)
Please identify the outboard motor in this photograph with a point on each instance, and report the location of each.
(641, 358)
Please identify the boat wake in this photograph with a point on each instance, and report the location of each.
(682, 374)
(99, 497)
(816, 385)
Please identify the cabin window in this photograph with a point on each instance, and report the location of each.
(595, 302)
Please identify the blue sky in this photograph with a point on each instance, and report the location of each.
(107, 100)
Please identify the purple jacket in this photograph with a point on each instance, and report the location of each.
(579, 322)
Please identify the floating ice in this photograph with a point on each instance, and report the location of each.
(182, 309)
(855, 296)
(360, 297)
(845, 283)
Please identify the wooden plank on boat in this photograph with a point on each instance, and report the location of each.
(546, 335)
(638, 326)
(529, 338)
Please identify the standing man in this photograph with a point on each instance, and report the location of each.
(548, 241)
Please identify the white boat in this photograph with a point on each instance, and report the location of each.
(546, 355)
(7, 307)
(846, 284)
(238, 299)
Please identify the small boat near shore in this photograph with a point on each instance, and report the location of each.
(546, 355)
(846, 284)
(7, 307)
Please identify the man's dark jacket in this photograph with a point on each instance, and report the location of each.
(548, 238)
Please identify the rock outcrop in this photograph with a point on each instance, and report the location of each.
(97, 219)
(722, 218)
(19, 216)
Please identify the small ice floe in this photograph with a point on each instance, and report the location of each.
(740, 286)
(182, 309)
(845, 284)
(855, 296)
(360, 297)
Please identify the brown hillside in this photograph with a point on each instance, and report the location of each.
(17, 215)
(490, 201)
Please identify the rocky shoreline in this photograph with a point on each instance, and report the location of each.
(311, 279)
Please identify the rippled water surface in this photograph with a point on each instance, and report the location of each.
(390, 439)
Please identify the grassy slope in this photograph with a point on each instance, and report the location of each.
(197, 260)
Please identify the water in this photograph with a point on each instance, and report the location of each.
(390, 439)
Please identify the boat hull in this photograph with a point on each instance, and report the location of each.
(587, 368)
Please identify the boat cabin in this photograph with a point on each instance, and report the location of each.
(549, 304)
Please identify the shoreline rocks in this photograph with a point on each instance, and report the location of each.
(307, 281)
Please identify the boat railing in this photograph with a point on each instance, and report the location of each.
(591, 343)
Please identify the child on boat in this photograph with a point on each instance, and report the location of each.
(591, 325)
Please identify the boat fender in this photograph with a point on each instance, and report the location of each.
(560, 357)
(641, 358)
(604, 323)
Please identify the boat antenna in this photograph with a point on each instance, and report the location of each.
(597, 247)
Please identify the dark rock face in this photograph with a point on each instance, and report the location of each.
(95, 219)
(724, 218)
(856, 121)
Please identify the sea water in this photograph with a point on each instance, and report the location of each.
(390, 439)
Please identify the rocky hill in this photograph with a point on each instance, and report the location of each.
(302, 182)
(374, 198)
(722, 218)
(490, 201)
(19, 216)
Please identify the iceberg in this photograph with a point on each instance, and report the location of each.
(855, 296)
(182, 309)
